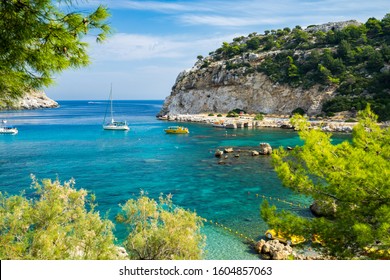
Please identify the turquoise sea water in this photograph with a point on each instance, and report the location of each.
(69, 142)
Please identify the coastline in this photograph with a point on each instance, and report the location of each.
(270, 121)
(30, 101)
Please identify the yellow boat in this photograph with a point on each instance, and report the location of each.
(290, 240)
(176, 130)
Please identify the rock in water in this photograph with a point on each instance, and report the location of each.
(265, 149)
(218, 153)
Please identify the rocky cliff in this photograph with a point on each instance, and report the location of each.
(218, 89)
(324, 69)
(33, 100)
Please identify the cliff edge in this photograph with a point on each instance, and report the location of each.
(322, 70)
(218, 89)
(33, 100)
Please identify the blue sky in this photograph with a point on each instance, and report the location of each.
(153, 41)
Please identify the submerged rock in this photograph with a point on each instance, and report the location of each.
(218, 153)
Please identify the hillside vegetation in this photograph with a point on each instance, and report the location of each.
(351, 57)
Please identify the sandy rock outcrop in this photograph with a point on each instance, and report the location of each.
(265, 149)
(274, 249)
(34, 100)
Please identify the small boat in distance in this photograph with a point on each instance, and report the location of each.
(164, 118)
(8, 129)
(219, 124)
(112, 124)
(176, 130)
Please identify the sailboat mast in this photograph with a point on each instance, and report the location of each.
(112, 115)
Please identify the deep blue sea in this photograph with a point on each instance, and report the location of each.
(69, 142)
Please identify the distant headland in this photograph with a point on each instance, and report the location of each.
(321, 70)
(34, 99)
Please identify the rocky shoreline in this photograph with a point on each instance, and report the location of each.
(275, 250)
(33, 100)
(272, 121)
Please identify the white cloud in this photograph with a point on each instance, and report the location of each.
(133, 47)
(226, 21)
(156, 6)
(247, 13)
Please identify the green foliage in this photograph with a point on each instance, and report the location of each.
(299, 111)
(293, 70)
(253, 43)
(39, 39)
(235, 113)
(160, 231)
(259, 117)
(352, 176)
(232, 114)
(54, 224)
(373, 26)
(351, 60)
(343, 103)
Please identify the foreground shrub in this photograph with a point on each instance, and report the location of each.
(352, 177)
(160, 231)
(53, 225)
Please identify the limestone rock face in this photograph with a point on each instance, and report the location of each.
(332, 26)
(217, 89)
(34, 100)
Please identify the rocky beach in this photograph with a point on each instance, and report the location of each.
(336, 124)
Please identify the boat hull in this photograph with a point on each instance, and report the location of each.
(176, 130)
(115, 127)
(11, 131)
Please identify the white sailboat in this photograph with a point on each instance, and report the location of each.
(112, 124)
(7, 129)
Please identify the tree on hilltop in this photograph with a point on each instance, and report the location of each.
(41, 38)
(352, 178)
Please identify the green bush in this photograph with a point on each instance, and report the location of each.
(259, 117)
(299, 111)
(161, 231)
(238, 111)
(58, 223)
(337, 175)
(232, 114)
(330, 114)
